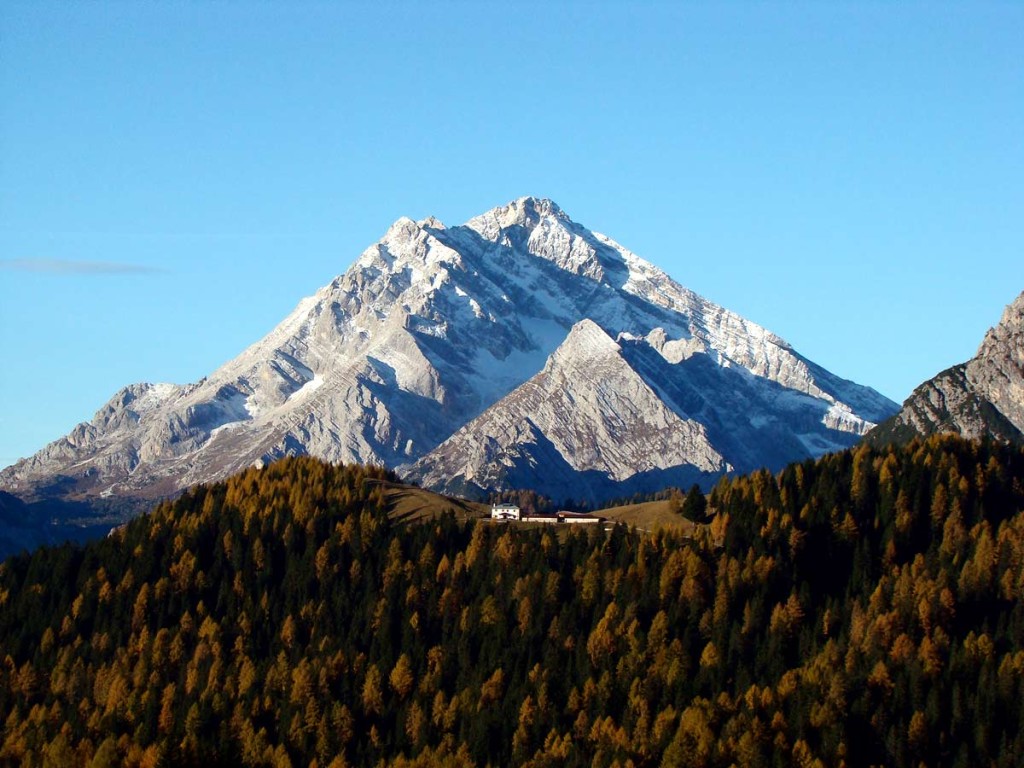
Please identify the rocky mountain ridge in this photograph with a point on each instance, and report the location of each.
(433, 326)
(581, 428)
(983, 397)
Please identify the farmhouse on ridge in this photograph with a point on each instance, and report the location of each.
(513, 512)
(505, 512)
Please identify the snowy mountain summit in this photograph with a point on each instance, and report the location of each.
(520, 349)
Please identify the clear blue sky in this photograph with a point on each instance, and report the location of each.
(175, 176)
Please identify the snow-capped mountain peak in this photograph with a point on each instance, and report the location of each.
(525, 212)
(435, 325)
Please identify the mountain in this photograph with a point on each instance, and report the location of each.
(433, 326)
(983, 397)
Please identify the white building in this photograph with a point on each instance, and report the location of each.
(579, 518)
(505, 512)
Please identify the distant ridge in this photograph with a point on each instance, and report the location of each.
(983, 397)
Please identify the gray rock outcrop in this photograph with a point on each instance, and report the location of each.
(983, 397)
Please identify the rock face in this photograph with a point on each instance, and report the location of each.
(586, 426)
(587, 352)
(611, 417)
(983, 397)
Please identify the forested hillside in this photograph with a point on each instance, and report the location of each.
(862, 609)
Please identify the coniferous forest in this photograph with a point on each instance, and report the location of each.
(861, 609)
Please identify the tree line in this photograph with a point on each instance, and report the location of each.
(861, 609)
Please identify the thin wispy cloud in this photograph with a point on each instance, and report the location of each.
(69, 267)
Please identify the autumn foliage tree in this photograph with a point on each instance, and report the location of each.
(862, 609)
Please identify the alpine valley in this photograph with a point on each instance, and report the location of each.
(519, 350)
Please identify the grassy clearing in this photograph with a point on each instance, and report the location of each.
(408, 504)
(648, 516)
